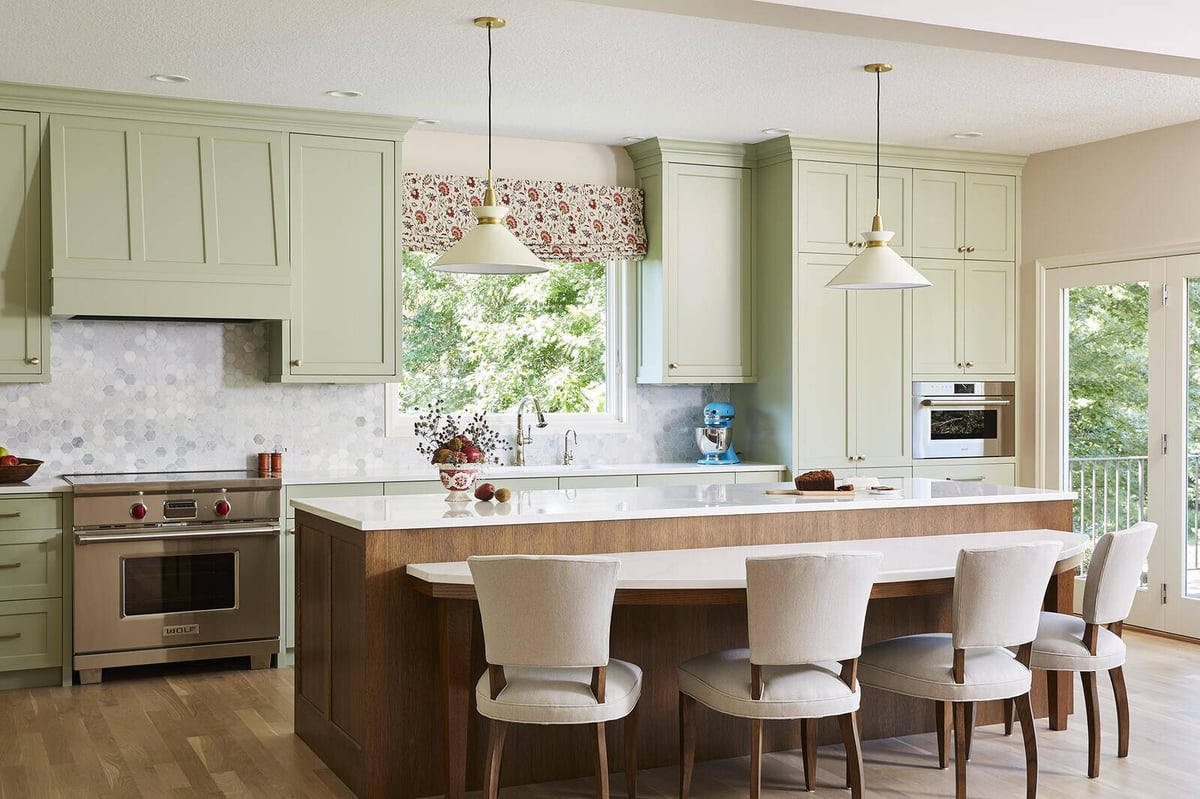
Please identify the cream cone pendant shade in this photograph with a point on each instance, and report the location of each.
(877, 266)
(489, 248)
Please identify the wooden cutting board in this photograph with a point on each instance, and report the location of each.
(796, 492)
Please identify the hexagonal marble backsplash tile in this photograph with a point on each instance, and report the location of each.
(151, 395)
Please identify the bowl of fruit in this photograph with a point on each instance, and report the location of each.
(14, 469)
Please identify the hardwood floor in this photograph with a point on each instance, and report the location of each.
(219, 730)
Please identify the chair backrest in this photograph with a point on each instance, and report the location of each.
(998, 593)
(1115, 573)
(549, 611)
(808, 608)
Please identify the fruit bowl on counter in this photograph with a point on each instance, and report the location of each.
(17, 472)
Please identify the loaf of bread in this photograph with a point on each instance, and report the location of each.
(815, 481)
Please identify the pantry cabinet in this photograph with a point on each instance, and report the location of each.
(835, 204)
(965, 322)
(695, 288)
(168, 219)
(345, 324)
(24, 323)
(964, 215)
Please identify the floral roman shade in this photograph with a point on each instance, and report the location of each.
(557, 221)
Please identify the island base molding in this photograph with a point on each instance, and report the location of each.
(380, 664)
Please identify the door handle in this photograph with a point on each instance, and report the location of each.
(952, 403)
(85, 538)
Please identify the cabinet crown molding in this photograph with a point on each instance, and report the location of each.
(788, 148)
(656, 150)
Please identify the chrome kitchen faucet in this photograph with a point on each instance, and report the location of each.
(525, 434)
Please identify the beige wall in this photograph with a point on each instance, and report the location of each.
(439, 152)
(1106, 197)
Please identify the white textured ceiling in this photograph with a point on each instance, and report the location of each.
(580, 71)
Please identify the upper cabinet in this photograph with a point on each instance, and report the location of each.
(965, 322)
(964, 215)
(168, 219)
(696, 284)
(344, 326)
(835, 204)
(24, 325)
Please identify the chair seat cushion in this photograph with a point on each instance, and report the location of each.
(560, 696)
(923, 666)
(721, 681)
(1059, 646)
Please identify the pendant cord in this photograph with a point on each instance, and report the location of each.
(878, 91)
(489, 73)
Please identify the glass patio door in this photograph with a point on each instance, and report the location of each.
(1122, 417)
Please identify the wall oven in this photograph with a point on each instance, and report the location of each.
(964, 420)
(175, 567)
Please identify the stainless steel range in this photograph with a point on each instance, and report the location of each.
(175, 566)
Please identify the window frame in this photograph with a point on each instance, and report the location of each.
(619, 367)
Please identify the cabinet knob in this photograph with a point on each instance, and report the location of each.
(963, 248)
(33, 361)
(970, 364)
(296, 362)
(959, 364)
(970, 249)
(672, 366)
(862, 457)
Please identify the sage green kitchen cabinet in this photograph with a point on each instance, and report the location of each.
(34, 636)
(345, 324)
(714, 477)
(965, 322)
(835, 203)
(165, 219)
(599, 481)
(964, 215)
(695, 288)
(1004, 474)
(24, 323)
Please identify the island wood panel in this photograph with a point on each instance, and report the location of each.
(398, 751)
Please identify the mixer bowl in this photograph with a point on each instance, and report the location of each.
(714, 441)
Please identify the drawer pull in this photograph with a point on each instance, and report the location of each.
(16, 565)
(14, 515)
(10, 637)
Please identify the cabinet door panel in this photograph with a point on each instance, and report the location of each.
(826, 205)
(989, 317)
(92, 199)
(998, 473)
(343, 232)
(936, 322)
(882, 378)
(939, 204)
(821, 384)
(246, 177)
(709, 277)
(687, 479)
(172, 212)
(895, 204)
(24, 330)
(991, 223)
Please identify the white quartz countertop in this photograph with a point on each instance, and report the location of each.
(496, 472)
(648, 502)
(913, 558)
(36, 485)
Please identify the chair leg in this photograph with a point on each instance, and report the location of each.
(1008, 716)
(808, 745)
(854, 762)
(1117, 676)
(943, 733)
(1025, 714)
(687, 743)
(1091, 702)
(960, 749)
(756, 746)
(970, 710)
(631, 723)
(496, 733)
(600, 756)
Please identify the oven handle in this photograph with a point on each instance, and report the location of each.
(958, 403)
(84, 538)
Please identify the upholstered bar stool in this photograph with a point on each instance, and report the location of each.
(806, 615)
(1093, 643)
(998, 594)
(546, 623)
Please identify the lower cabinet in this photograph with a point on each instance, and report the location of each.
(687, 479)
(599, 481)
(1004, 474)
(33, 637)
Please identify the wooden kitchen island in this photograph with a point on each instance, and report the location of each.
(382, 657)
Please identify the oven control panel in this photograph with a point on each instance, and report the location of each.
(175, 508)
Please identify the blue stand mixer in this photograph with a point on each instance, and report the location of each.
(715, 439)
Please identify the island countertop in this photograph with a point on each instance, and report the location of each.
(421, 511)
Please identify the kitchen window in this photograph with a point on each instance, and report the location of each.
(482, 342)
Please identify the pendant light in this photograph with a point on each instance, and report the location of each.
(489, 248)
(878, 266)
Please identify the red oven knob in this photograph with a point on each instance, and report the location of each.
(138, 510)
(221, 507)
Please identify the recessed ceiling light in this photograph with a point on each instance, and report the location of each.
(970, 134)
(632, 139)
(427, 122)
(777, 131)
(343, 93)
(164, 78)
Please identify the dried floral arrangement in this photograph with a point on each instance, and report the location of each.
(444, 438)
